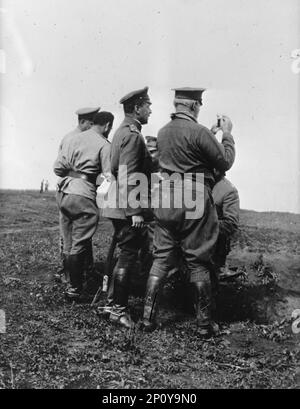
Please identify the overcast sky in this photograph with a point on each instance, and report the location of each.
(61, 55)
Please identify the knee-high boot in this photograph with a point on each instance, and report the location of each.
(89, 262)
(75, 266)
(110, 295)
(62, 275)
(202, 304)
(119, 289)
(153, 288)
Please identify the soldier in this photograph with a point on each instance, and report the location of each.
(46, 186)
(226, 198)
(85, 122)
(80, 160)
(184, 146)
(42, 186)
(128, 149)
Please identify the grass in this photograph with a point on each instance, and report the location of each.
(50, 343)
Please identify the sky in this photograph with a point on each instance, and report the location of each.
(60, 55)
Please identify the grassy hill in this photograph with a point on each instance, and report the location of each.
(51, 344)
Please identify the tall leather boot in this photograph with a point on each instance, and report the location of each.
(62, 276)
(91, 278)
(89, 267)
(154, 285)
(214, 280)
(118, 312)
(75, 265)
(110, 295)
(206, 327)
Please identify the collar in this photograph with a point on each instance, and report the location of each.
(219, 176)
(183, 115)
(97, 133)
(128, 120)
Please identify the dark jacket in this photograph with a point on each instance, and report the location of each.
(185, 146)
(128, 148)
(227, 202)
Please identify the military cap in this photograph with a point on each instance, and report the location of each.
(87, 113)
(140, 95)
(189, 93)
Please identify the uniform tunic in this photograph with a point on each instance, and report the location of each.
(128, 149)
(185, 146)
(227, 202)
(69, 135)
(88, 153)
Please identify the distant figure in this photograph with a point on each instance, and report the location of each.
(46, 185)
(42, 186)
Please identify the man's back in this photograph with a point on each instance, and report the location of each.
(86, 152)
(177, 145)
(69, 135)
(185, 146)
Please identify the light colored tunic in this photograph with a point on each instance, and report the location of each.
(86, 152)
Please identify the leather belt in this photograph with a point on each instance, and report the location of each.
(208, 181)
(84, 176)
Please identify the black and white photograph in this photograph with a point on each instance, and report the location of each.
(149, 197)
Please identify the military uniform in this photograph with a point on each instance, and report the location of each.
(184, 146)
(82, 114)
(227, 203)
(80, 160)
(69, 135)
(146, 251)
(128, 149)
